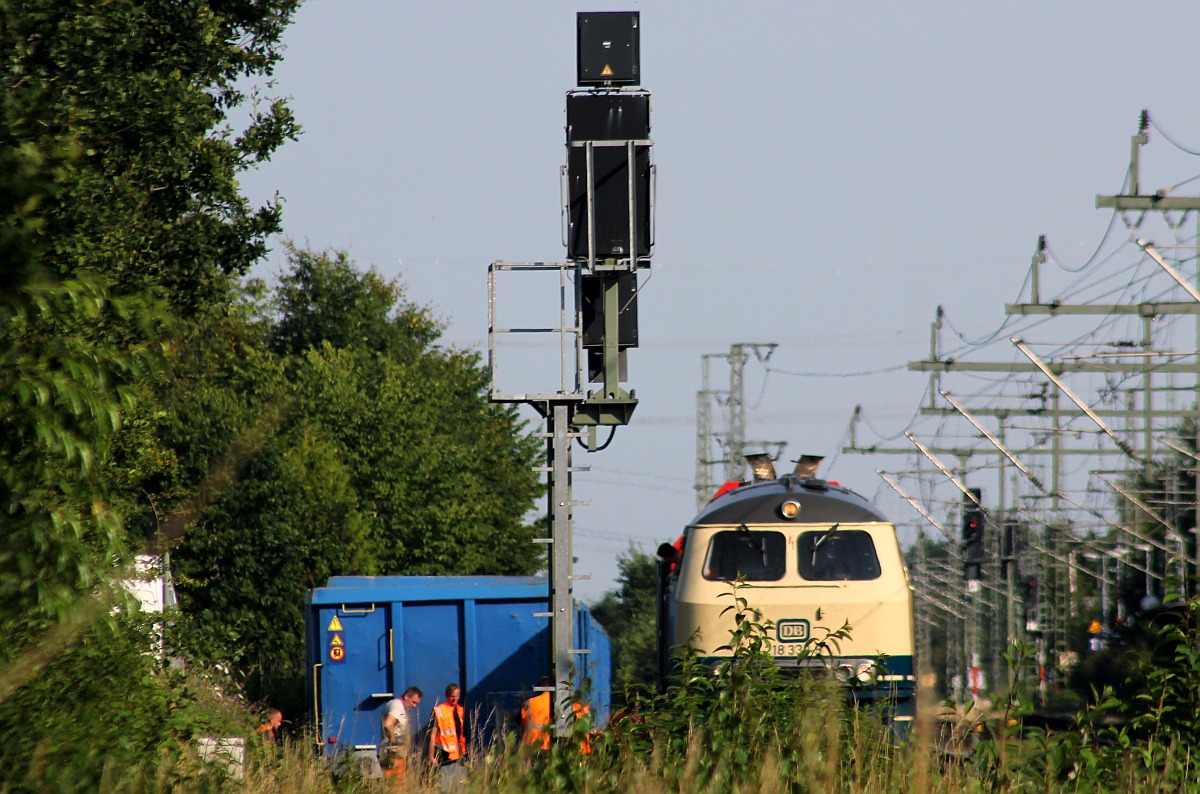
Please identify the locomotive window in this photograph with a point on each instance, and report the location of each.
(755, 556)
(832, 556)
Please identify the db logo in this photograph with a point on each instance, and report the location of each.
(337, 653)
(791, 630)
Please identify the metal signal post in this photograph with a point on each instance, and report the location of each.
(608, 225)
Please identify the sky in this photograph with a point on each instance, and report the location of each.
(828, 175)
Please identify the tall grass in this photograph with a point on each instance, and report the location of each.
(748, 727)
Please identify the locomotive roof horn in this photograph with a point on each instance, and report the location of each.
(807, 465)
(762, 465)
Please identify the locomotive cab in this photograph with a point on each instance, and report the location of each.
(810, 557)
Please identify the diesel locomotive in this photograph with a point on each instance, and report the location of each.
(810, 556)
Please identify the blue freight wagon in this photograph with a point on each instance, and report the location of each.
(368, 638)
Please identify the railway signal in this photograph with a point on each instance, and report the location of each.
(974, 549)
(1029, 595)
(608, 223)
(1010, 545)
(608, 205)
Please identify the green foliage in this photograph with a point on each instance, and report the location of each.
(119, 213)
(629, 616)
(59, 410)
(446, 476)
(746, 728)
(143, 90)
(377, 452)
(749, 705)
(103, 715)
(1169, 709)
(59, 405)
(118, 204)
(1150, 736)
(323, 298)
(1140, 743)
(745, 725)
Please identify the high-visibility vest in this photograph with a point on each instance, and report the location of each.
(580, 710)
(445, 732)
(267, 734)
(536, 720)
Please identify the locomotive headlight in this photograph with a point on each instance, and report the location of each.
(856, 671)
(789, 509)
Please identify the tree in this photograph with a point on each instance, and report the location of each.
(118, 211)
(629, 617)
(383, 456)
(143, 90)
(323, 298)
(119, 215)
(104, 715)
(59, 411)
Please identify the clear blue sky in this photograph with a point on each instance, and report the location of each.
(828, 174)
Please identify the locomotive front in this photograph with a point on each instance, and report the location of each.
(811, 556)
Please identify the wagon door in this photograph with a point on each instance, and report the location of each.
(351, 674)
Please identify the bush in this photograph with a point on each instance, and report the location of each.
(106, 715)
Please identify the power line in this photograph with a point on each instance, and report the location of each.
(860, 374)
(1169, 139)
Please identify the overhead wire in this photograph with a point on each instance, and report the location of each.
(1000, 383)
(863, 373)
(880, 436)
(762, 392)
(1125, 290)
(1083, 336)
(1169, 139)
(994, 336)
(1112, 222)
(1124, 286)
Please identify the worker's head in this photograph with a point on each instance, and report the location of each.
(274, 717)
(452, 693)
(411, 697)
(544, 681)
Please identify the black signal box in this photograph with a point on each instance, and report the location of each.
(610, 119)
(608, 116)
(610, 190)
(606, 48)
(592, 296)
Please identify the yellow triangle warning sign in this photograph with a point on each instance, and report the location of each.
(336, 640)
(335, 624)
(606, 71)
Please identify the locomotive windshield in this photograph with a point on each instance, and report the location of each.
(754, 556)
(835, 556)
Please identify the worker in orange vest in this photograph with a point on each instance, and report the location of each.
(537, 717)
(447, 739)
(269, 731)
(580, 710)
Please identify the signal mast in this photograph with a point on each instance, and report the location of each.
(608, 232)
